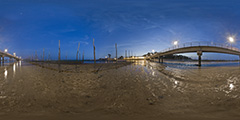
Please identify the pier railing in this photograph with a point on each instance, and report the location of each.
(194, 44)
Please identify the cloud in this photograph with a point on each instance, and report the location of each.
(82, 41)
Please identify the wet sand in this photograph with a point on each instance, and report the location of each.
(118, 91)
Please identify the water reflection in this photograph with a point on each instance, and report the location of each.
(5, 73)
(231, 86)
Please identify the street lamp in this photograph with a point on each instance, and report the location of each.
(175, 43)
(14, 54)
(231, 40)
(6, 50)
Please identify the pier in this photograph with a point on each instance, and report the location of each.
(6, 54)
(197, 47)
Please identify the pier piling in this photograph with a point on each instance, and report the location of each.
(199, 53)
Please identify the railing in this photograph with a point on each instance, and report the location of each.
(192, 44)
(9, 54)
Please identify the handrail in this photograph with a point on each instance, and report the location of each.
(193, 44)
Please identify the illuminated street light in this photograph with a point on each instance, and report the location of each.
(231, 40)
(175, 42)
(14, 54)
(6, 50)
(153, 51)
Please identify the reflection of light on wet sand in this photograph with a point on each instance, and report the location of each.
(2, 97)
(5, 73)
(20, 63)
(153, 73)
(231, 86)
(176, 82)
(14, 68)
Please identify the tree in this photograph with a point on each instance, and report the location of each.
(121, 57)
(109, 55)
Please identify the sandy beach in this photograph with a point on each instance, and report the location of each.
(141, 90)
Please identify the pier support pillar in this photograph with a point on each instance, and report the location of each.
(159, 59)
(0, 59)
(199, 53)
(239, 59)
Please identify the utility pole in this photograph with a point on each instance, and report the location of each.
(77, 51)
(116, 52)
(94, 52)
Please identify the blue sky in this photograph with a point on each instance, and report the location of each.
(27, 26)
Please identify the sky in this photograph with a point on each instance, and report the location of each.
(28, 26)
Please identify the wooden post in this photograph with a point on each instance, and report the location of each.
(129, 53)
(94, 52)
(125, 53)
(36, 57)
(66, 55)
(59, 57)
(3, 60)
(48, 56)
(59, 52)
(116, 52)
(0, 60)
(43, 54)
(77, 51)
(83, 57)
(79, 56)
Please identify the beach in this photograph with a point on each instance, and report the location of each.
(139, 90)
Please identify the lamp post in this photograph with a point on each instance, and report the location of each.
(231, 40)
(6, 50)
(175, 43)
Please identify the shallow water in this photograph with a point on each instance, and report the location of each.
(142, 90)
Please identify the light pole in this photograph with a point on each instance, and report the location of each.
(231, 40)
(6, 50)
(175, 43)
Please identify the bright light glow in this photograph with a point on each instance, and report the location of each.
(105, 56)
(175, 42)
(141, 57)
(14, 54)
(176, 82)
(153, 51)
(6, 50)
(231, 39)
(231, 86)
(14, 68)
(5, 73)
